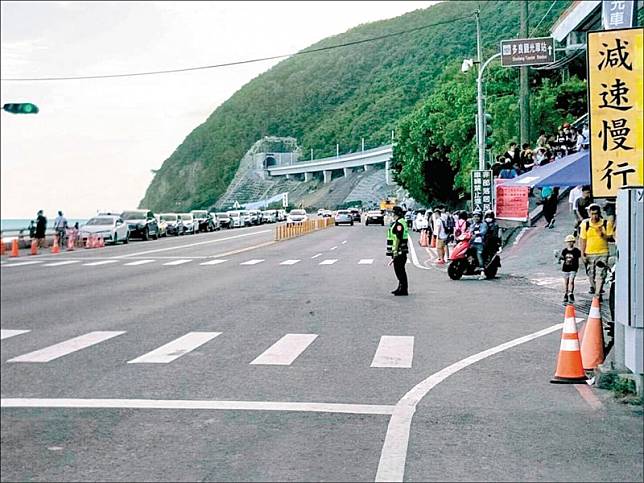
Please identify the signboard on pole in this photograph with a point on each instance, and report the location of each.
(616, 108)
(285, 200)
(618, 14)
(482, 192)
(521, 52)
(511, 201)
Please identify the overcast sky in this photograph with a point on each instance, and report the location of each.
(94, 143)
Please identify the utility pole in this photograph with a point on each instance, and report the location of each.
(524, 88)
(480, 137)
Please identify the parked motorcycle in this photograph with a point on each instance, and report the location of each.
(463, 260)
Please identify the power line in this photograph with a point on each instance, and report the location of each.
(240, 62)
(542, 18)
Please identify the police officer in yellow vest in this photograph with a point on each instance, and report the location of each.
(397, 248)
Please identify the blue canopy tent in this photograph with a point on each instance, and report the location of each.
(571, 170)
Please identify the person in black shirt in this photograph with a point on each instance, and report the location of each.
(581, 207)
(570, 257)
(41, 228)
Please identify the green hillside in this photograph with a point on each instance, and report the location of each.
(336, 96)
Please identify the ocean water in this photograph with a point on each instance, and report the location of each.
(7, 224)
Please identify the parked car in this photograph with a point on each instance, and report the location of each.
(111, 228)
(190, 225)
(236, 219)
(173, 224)
(281, 215)
(343, 217)
(224, 219)
(255, 217)
(269, 216)
(297, 216)
(327, 214)
(375, 217)
(215, 220)
(355, 213)
(246, 216)
(141, 223)
(321, 211)
(204, 220)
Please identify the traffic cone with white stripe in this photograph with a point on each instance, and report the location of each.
(55, 248)
(592, 345)
(569, 367)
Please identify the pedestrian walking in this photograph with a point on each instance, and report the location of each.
(569, 257)
(549, 198)
(595, 233)
(581, 207)
(397, 249)
(574, 195)
(41, 228)
(60, 227)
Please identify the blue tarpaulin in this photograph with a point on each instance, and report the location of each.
(571, 170)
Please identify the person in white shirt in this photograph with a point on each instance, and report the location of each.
(574, 195)
(441, 236)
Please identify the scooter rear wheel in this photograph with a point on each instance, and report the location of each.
(455, 270)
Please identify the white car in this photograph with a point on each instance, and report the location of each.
(190, 224)
(173, 225)
(236, 219)
(246, 217)
(110, 227)
(281, 215)
(297, 216)
(269, 216)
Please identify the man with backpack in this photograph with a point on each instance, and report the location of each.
(595, 233)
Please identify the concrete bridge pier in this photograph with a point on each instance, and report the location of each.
(308, 176)
(367, 167)
(327, 176)
(290, 176)
(347, 171)
(387, 175)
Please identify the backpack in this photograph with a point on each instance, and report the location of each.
(448, 225)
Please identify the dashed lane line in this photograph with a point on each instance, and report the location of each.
(330, 261)
(20, 264)
(316, 256)
(7, 333)
(59, 264)
(289, 262)
(366, 261)
(255, 261)
(177, 262)
(138, 262)
(214, 262)
(103, 262)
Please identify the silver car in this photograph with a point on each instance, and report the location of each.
(190, 224)
(343, 217)
(111, 228)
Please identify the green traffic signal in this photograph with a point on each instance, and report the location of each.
(21, 108)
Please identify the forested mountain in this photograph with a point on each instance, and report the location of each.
(338, 95)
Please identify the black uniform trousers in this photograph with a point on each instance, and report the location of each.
(399, 268)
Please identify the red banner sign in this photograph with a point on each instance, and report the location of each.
(511, 201)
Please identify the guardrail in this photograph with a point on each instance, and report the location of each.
(292, 230)
(22, 235)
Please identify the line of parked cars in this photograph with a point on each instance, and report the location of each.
(144, 224)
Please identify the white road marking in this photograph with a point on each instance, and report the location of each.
(58, 264)
(192, 404)
(414, 258)
(285, 350)
(330, 261)
(316, 255)
(138, 262)
(175, 349)
(177, 262)
(20, 264)
(332, 248)
(344, 242)
(104, 262)
(213, 262)
(394, 351)
(391, 466)
(66, 347)
(6, 333)
(198, 243)
(252, 262)
(365, 261)
(289, 262)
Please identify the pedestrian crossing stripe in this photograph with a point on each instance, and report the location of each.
(20, 264)
(213, 262)
(289, 262)
(177, 262)
(366, 261)
(252, 262)
(330, 261)
(59, 264)
(103, 262)
(392, 351)
(138, 262)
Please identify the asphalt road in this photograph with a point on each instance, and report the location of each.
(285, 361)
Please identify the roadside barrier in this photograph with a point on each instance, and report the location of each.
(55, 248)
(15, 250)
(34, 247)
(292, 230)
(592, 344)
(569, 367)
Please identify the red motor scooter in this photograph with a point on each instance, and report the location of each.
(463, 260)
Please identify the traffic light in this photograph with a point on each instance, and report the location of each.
(22, 108)
(488, 130)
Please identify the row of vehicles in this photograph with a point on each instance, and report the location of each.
(350, 216)
(144, 224)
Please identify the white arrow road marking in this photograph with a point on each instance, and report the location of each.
(285, 350)
(289, 262)
(252, 262)
(213, 262)
(175, 349)
(330, 261)
(394, 351)
(177, 262)
(138, 262)
(366, 261)
(58, 264)
(6, 333)
(66, 347)
(94, 264)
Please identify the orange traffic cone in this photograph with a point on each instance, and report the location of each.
(101, 242)
(433, 241)
(2, 247)
(15, 250)
(89, 243)
(592, 346)
(34, 247)
(70, 243)
(55, 247)
(569, 367)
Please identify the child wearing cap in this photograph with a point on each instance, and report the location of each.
(570, 256)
